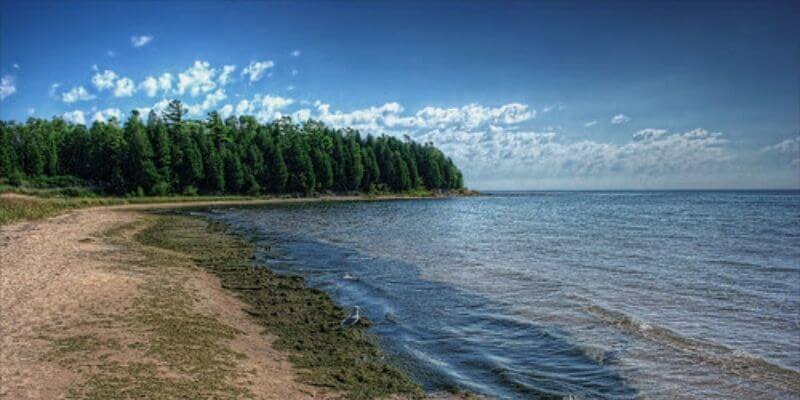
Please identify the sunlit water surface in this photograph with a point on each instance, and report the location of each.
(591, 294)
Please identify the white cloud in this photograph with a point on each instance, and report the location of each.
(290, 88)
(104, 80)
(226, 111)
(244, 107)
(165, 82)
(77, 94)
(620, 119)
(111, 53)
(522, 154)
(225, 76)
(95, 68)
(76, 117)
(590, 124)
(16, 66)
(124, 88)
(294, 72)
(301, 115)
(53, 89)
(107, 114)
(199, 78)
(296, 53)
(7, 86)
(140, 41)
(31, 111)
(152, 85)
(390, 118)
(268, 107)
(649, 134)
(255, 71)
(209, 103)
(787, 148)
(553, 107)
(159, 108)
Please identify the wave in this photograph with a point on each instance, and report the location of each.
(733, 361)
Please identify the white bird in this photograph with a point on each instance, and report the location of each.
(349, 277)
(351, 319)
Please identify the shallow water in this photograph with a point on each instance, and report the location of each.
(591, 294)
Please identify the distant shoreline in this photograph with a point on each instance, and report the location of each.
(15, 207)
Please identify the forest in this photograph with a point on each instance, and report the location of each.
(169, 154)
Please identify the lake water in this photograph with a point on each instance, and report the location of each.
(609, 295)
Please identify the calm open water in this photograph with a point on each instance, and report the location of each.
(609, 295)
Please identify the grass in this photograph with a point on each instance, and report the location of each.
(160, 347)
(305, 320)
(25, 208)
(13, 209)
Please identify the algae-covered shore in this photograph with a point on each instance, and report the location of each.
(305, 320)
(118, 302)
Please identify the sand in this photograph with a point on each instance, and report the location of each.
(59, 278)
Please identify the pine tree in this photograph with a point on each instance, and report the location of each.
(140, 171)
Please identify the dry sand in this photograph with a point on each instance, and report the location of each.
(58, 279)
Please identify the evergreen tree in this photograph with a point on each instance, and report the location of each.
(139, 169)
(239, 155)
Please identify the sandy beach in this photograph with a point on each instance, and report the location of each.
(64, 281)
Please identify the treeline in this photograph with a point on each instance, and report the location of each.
(167, 154)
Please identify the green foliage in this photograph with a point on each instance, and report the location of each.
(169, 154)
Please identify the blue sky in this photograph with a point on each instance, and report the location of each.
(522, 95)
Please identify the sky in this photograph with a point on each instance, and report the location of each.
(522, 95)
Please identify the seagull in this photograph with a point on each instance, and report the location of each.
(351, 319)
(349, 277)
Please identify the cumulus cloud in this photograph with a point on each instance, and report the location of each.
(77, 94)
(104, 80)
(243, 107)
(255, 71)
(141, 41)
(390, 116)
(107, 114)
(301, 115)
(7, 86)
(225, 76)
(76, 117)
(152, 85)
(124, 88)
(199, 78)
(31, 111)
(522, 154)
(268, 107)
(158, 108)
(210, 103)
(226, 111)
(620, 119)
(296, 53)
